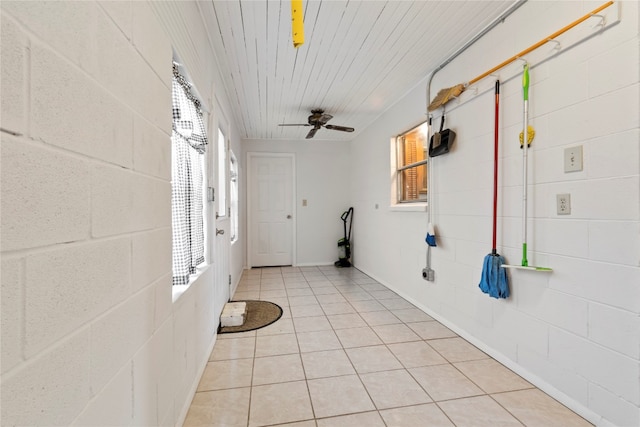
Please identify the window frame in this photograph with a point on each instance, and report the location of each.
(183, 249)
(398, 166)
(234, 193)
(222, 205)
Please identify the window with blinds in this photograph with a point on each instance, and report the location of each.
(411, 160)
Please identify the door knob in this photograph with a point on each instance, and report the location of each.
(288, 216)
(219, 231)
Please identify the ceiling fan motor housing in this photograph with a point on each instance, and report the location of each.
(318, 118)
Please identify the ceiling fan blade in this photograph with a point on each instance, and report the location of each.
(340, 128)
(297, 124)
(312, 132)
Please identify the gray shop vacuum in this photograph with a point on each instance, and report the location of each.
(344, 246)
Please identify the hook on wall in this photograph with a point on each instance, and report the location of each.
(557, 46)
(602, 20)
(444, 95)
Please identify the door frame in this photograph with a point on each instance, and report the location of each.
(221, 262)
(256, 154)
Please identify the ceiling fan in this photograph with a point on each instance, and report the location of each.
(319, 119)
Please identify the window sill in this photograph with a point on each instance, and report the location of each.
(408, 207)
(178, 290)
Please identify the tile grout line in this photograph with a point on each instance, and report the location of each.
(341, 289)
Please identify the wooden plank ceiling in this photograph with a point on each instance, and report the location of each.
(358, 59)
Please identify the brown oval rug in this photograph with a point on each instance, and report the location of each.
(259, 315)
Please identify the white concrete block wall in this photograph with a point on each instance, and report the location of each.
(70, 285)
(153, 373)
(151, 152)
(51, 388)
(12, 310)
(151, 252)
(153, 48)
(614, 328)
(90, 333)
(119, 334)
(119, 393)
(97, 124)
(125, 201)
(574, 332)
(45, 195)
(13, 69)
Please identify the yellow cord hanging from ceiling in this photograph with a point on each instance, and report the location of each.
(297, 23)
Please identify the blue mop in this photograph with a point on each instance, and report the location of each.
(494, 280)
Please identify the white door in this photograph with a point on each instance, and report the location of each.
(222, 233)
(271, 217)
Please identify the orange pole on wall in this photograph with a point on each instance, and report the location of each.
(541, 42)
(447, 94)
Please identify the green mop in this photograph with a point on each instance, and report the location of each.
(527, 137)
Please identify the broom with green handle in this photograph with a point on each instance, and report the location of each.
(526, 138)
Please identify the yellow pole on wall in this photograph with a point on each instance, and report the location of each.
(297, 23)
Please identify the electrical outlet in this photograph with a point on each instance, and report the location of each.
(563, 202)
(573, 159)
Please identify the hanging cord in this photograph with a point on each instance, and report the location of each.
(429, 194)
(429, 175)
(430, 165)
(471, 42)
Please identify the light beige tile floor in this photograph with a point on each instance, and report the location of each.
(350, 352)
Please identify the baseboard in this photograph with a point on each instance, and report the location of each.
(543, 385)
(304, 264)
(313, 264)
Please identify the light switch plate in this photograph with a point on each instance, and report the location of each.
(573, 159)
